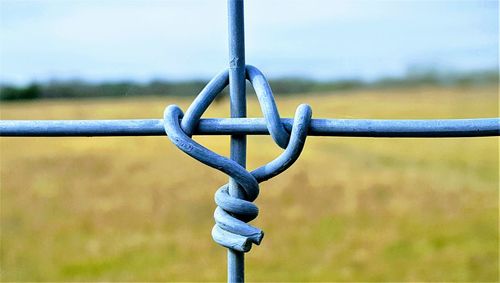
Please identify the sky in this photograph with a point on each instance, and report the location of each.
(187, 39)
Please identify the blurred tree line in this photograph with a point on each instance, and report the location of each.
(286, 86)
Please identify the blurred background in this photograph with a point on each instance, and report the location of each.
(351, 209)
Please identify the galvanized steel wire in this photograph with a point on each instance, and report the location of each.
(435, 128)
(232, 214)
(235, 207)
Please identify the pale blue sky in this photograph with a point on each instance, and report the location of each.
(322, 39)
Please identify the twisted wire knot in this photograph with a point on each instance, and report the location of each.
(231, 229)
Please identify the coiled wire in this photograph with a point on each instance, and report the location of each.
(231, 229)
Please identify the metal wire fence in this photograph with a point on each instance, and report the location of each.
(235, 207)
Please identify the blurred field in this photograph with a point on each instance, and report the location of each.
(351, 209)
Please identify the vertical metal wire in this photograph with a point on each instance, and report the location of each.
(235, 259)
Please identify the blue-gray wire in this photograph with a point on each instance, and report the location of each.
(428, 128)
(232, 214)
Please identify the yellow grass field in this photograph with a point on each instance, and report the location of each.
(350, 209)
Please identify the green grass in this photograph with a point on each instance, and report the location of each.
(351, 209)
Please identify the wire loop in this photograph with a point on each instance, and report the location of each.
(231, 229)
(262, 90)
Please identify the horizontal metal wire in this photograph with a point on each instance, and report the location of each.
(255, 126)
